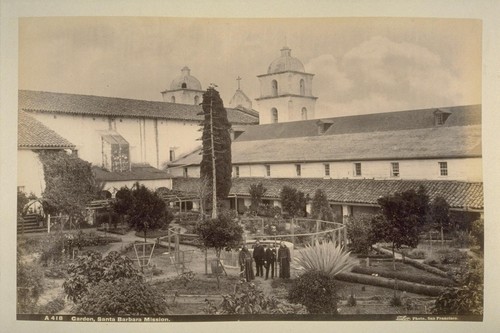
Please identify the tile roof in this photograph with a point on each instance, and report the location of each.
(137, 172)
(120, 107)
(435, 142)
(376, 122)
(459, 195)
(32, 134)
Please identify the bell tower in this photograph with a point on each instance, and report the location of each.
(286, 91)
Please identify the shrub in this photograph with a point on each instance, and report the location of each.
(477, 231)
(248, 299)
(53, 306)
(467, 298)
(359, 233)
(30, 285)
(316, 290)
(463, 239)
(326, 257)
(396, 300)
(123, 297)
(89, 269)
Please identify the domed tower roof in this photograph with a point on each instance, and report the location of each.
(185, 81)
(285, 63)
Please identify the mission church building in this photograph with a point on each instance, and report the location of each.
(126, 140)
(354, 159)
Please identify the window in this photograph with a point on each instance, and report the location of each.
(274, 115)
(236, 171)
(439, 119)
(184, 85)
(268, 170)
(196, 100)
(172, 99)
(357, 169)
(274, 87)
(304, 114)
(327, 170)
(172, 154)
(185, 172)
(298, 169)
(443, 168)
(395, 169)
(115, 152)
(302, 87)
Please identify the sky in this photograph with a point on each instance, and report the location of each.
(361, 65)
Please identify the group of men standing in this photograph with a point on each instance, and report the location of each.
(265, 257)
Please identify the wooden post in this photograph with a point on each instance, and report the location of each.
(317, 229)
(292, 230)
(169, 236)
(178, 230)
(262, 226)
(206, 262)
(48, 223)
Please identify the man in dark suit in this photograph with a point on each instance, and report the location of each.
(270, 259)
(258, 257)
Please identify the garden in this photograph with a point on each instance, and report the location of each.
(409, 259)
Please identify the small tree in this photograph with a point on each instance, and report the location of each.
(359, 233)
(144, 208)
(320, 208)
(440, 215)
(293, 201)
(219, 233)
(256, 191)
(403, 216)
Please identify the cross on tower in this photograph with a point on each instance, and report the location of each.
(238, 79)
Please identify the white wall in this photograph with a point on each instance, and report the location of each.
(143, 138)
(465, 169)
(30, 172)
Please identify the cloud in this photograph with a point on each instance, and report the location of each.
(381, 75)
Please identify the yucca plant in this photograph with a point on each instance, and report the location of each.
(325, 257)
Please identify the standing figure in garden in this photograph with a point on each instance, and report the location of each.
(258, 256)
(245, 261)
(284, 261)
(270, 259)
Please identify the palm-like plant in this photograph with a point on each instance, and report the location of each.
(326, 257)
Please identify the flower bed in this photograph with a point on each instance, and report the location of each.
(404, 276)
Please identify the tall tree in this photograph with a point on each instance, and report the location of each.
(256, 192)
(320, 207)
(293, 201)
(440, 214)
(69, 183)
(216, 151)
